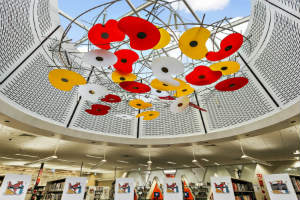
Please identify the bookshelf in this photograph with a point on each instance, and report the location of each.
(98, 193)
(54, 190)
(243, 190)
(200, 192)
(227, 188)
(296, 183)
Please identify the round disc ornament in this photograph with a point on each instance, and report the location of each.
(100, 58)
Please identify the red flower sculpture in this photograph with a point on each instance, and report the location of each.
(229, 46)
(170, 98)
(135, 87)
(203, 75)
(197, 107)
(126, 58)
(143, 35)
(111, 98)
(232, 84)
(98, 109)
(102, 35)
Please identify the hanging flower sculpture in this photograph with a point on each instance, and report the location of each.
(128, 56)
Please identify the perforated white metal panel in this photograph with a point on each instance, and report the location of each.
(257, 28)
(277, 64)
(169, 124)
(292, 6)
(29, 90)
(17, 35)
(231, 109)
(108, 124)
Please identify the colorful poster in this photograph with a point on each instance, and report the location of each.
(124, 189)
(14, 187)
(172, 189)
(74, 188)
(222, 188)
(280, 187)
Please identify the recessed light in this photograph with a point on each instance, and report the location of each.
(297, 152)
(92, 156)
(26, 155)
(171, 163)
(92, 164)
(122, 161)
(204, 159)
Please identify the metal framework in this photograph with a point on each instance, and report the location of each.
(154, 11)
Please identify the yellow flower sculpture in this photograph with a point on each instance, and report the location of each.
(139, 104)
(165, 39)
(149, 115)
(64, 79)
(192, 42)
(184, 90)
(227, 67)
(159, 85)
(119, 77)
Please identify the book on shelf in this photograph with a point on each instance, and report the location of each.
(243, 197)
(53, 196)
(296, 183)
(56, 186)
(241, 187)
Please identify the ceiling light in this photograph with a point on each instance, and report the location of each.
(122, 161)
(297, 158)
(204, 159)
(91, 163)
(186, 166)
(217, 163)
(103, 160)
(297, 152)
(42, 160)
(171, 163)
(194, 161)
(7, 158)
(92, 156)
(170, 171)
(159, 168)
(244, 156)
(149, 162)
(297, 164)
(25, 155)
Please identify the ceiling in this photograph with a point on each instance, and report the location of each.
(273, 147)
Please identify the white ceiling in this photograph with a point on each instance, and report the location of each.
(275, 146)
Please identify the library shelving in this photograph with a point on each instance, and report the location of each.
(200, 192)
(54, 190)
(243, 190)
(228, 188)
(296, 183)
